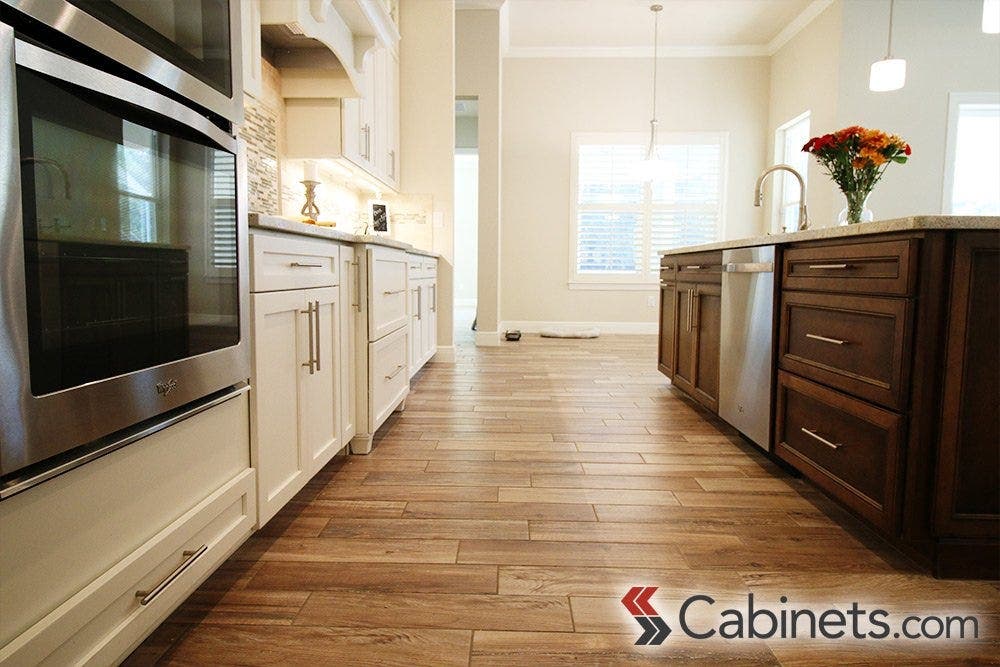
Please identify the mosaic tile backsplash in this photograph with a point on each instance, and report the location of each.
(260, 132)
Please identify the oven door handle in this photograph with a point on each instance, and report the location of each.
(59, 67)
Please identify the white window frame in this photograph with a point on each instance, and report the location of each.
(955, 100)
(630, 282)
(778, 188)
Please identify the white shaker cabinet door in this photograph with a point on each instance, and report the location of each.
(319, 395)
(350, 306)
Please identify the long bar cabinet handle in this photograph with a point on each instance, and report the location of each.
(395, 372)
(834, 341)
(145, 597)
(829, 266)
(302, 265)
(318, 338)
(392, 291)
(814, 436)
(311, 364)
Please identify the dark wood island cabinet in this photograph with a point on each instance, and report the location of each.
(887, 381)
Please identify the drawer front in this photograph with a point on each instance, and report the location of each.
(387, 291)
(415, 266)
(880, 267)
(388, 376)
(847, 447)
(853, 343)
(702, 267)
(430, 267)
(279, 263)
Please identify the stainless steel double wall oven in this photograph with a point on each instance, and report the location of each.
(123, 265)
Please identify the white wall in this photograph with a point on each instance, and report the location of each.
(427, 129)
(945, 51)
(466, 226)
(478, 74)
(545, 100)
(804, 75)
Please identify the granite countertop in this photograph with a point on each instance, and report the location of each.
(279, 224)
(912, 223)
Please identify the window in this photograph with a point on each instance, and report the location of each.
(620, 222)
(972, 158)
(789, 139)
(138, 187)
(222, 205)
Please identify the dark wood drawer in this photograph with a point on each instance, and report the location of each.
(853, 343)
(668, 268)
(847, 447)
(871, 267)
(702, 267)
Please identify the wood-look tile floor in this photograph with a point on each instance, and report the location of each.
(505, 512)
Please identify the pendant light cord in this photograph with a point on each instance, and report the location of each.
(888, 50)
(656, 52)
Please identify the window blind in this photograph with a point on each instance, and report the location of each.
(622, 221)
(223, 210)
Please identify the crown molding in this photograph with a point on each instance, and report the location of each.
(807, 16)
(478, 4)
(644, 52)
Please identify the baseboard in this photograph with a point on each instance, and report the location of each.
(528, 326)
(487, 338)
(445, 354)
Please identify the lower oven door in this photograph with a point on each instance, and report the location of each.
(123, 236)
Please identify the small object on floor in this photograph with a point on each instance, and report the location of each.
(591, 332)
(512, 336)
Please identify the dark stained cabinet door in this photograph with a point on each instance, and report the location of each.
(707, 309)
(668, 316)
(968, 480)
(686, 336)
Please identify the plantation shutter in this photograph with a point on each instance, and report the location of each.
(609, 210)
(223, 207)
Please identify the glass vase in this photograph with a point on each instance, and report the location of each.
(856, 210)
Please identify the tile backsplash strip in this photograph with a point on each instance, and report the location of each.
(260, 132)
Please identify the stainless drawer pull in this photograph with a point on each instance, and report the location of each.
(829, 266)
(311, 364)
(694, 267)
(300, 265)
(145, 597)
(395, 372)
(392, 291)
(835, 341)
(812, 434)
(319, 339)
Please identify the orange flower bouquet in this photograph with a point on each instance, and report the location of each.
(855, 158)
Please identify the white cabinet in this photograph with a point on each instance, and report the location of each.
(296, 384)
(388, 381)
(361, 132)
(350, 306)
(94, 559)
(253, 75)
(422, 271)
(387, 287)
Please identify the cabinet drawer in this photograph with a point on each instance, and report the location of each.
(702, 267)
(387, 291)
(849, 448)
(853, 343)
(280, 263)
(880, 267)
(388, 377)
(415, 266)
(430, 267)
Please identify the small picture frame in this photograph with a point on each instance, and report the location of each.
(380, 217)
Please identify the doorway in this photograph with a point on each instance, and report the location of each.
(466, 216)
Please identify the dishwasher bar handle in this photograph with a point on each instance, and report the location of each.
(749, 267)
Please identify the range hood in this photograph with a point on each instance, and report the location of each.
(319, 46)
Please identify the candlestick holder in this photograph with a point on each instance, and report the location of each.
(310, 209)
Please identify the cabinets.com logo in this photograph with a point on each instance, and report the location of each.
(760, 622)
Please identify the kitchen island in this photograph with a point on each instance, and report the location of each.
(882, 377)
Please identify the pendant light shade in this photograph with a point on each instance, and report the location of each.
(652, 167)
(889, 73)
(991, 17)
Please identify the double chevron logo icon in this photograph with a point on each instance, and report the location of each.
(654, 628)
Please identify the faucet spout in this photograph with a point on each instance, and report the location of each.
(58, 167)
(758, 191)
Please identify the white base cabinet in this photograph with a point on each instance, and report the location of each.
(296, 383)
(422, 271)
(93, 560)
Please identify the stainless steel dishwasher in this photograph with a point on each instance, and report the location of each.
(746, 369)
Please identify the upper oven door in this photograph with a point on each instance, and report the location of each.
(188, 46)
(122, 255)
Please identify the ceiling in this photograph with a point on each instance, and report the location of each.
(625, 27)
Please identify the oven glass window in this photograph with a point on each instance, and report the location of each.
(129, 233)
(192, 34)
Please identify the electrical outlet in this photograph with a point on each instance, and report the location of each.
(650, 302)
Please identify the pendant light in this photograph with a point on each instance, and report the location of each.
(991, 17)
(652, 166)
(888, 73)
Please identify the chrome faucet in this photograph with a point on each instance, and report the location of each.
(758, 191)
